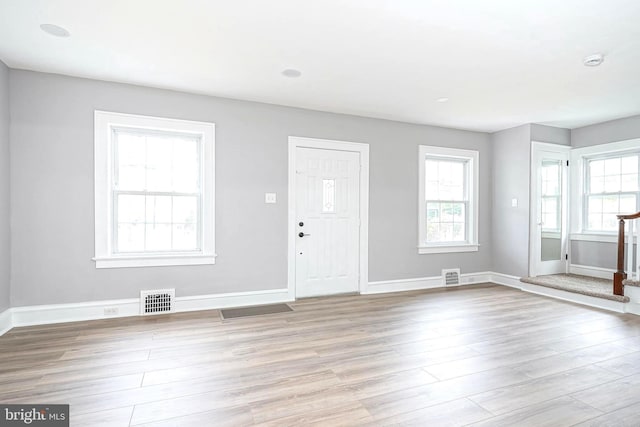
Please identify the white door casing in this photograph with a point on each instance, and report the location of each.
(328, 194)
(548, 249)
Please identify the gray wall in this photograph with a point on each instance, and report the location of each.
(553, 135)
(597, 254)
(594, 254)
(511, 180)
(510, 237)
(52, 191)
(602, 133)
(5, 251)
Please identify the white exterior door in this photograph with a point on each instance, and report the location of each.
(327, 221)
(549, 199)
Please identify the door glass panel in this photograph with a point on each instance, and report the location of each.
(328, 195)
(551, 210)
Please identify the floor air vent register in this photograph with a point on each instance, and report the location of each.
(157, 301)
(451, 277)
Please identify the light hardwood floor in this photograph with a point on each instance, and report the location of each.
(481, 355)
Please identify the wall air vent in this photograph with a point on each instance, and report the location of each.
(157, 301)
(451, 277)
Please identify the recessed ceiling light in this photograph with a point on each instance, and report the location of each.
(593, 60)
(54, 30)
(290, 72)
(443, 99)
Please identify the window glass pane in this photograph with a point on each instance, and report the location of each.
(596, 184)
(158, 237)
(609, 222)
(130, 164)
(629, 165)
(131, 208)
(595, 204)
(596, 168)
(130, 237)
(446, 232)
(185, 237)
(444, 180)
(433, 232)
(159, 155)
(446, 212)
(185, 209)
(433, 211)
(628, 204)
(629, 182)
(610, 204)
(595, 221)
(459, 214)
(612, 183)
(458, 232)
(186, 166)
(612, 166)
(158, 209)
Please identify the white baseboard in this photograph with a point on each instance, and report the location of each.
(633, 306)
(420, 283)
(585, 270)
(61, 313)
(602, 303)
(74, 312)
(6, 322)
(506, 280)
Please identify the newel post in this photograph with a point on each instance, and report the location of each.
(620, 275)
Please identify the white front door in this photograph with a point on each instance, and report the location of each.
(549, 241)
(327, 221)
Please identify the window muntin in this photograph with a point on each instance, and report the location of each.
(612, 187)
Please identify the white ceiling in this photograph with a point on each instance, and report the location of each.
(501, 63)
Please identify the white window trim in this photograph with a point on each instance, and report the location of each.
(104, 121)
(577, 171)
(472, 156)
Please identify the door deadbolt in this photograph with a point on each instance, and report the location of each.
(301, 224)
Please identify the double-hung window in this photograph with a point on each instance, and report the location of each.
(611, 187)
(154, 191)
(448, 200)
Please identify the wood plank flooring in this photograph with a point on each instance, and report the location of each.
(480, 355)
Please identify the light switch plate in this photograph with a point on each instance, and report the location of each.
(514, 203)
(269, 197)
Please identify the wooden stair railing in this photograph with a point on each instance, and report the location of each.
(620, 275)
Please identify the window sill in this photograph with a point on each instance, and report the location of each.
(154, 261)
(442, 249)
(551, 235)
(593, 237)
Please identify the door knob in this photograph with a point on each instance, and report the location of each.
(301, 234)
